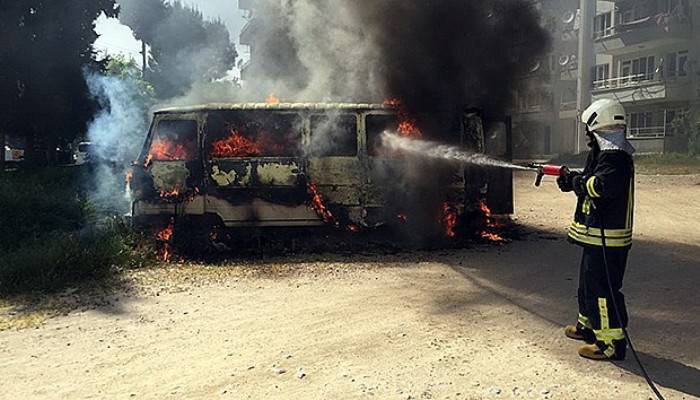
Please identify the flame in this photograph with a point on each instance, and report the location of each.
(272, 99)
(319, 205)
(175, 192)
(492, 237)
(166, 150)
(164, 237)
(393, 102)
(148, 161)
(353, 228)
(408, 128)
(235, 145)
(128, 177)
(449, 219)
(490, 224)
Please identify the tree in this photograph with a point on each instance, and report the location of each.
(127, 69)
(185, 48)
(47, 46)
(686, 127)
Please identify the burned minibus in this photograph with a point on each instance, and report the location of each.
(296, 165)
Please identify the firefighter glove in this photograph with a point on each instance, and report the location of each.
(566, 181)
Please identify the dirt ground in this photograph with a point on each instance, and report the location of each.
(476, 323)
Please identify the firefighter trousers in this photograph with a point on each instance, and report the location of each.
(596, 308)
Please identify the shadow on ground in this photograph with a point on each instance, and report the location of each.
(541, 278)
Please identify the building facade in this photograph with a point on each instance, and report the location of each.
(647, 58)
(247, 35)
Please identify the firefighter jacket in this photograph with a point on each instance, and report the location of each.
(605, 193)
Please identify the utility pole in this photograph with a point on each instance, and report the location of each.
(586, 62)
(144, 59)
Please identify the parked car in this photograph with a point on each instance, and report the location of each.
(13, 155)
(83, 154)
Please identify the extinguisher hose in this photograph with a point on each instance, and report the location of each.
(650, 382)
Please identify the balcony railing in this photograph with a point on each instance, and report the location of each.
(662, 21)
(649, 132)
(610, 31)
(625, 81)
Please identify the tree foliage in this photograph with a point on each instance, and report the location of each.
(126, 69)
(685, 126)
(185, 47)
(46, 46)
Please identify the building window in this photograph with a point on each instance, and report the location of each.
(676, 64)
(641, 120)
(602, 25)
(639, 69)
(601, 75)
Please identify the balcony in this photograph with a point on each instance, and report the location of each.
(643, 87)
(648, 32)
(649, 132)
(247, 36)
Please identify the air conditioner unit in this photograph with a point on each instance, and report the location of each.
(563, 60)
(568, 17)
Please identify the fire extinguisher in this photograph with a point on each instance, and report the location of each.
(550, 170)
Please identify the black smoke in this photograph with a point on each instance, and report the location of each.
(437, 58)
(443, 54)
(453, 53)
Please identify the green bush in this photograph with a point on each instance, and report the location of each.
(50, 237)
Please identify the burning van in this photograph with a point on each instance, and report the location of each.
(295, 165)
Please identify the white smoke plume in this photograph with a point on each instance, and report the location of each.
(117, 134)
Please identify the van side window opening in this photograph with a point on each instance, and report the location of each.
(334, 135)
(376, 125)
(258, 134)
(174, 140)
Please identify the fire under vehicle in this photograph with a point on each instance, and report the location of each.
(295, 165)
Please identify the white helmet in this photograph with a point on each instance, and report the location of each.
(604, 113)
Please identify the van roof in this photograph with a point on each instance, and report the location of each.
(279, 106)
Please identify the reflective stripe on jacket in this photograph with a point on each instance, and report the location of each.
(608, 179)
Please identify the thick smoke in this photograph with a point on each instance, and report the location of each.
(430, 55)
(117, 134)
(444, 56)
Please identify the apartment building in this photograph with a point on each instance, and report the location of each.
(544, 104)
(247, 35)
(647, 58)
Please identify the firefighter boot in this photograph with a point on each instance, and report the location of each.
(579, 332)
(602, 352)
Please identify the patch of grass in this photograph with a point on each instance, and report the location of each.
(51, 238)
(667, 164)
(652, 164)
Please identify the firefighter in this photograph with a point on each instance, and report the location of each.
(605, 192)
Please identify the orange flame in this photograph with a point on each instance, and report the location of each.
(393, 102)
(235, 145)
(490, 223)
(166, 150)
(353, 228)
(272, 99)
(164, 237)
(175, 192)
(408, 128)
(449, 219)
(128, 177)
(319, 205)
